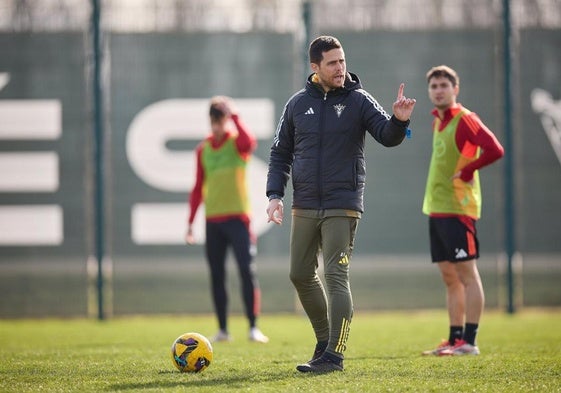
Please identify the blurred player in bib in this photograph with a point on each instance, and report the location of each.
(220, 183)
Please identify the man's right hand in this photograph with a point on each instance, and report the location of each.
(189, 238)
(275, 211)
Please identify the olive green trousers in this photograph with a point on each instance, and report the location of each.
(329, 234)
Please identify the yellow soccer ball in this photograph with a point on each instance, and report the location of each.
(191, 352)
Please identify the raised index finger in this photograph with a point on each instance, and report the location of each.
(400, 91)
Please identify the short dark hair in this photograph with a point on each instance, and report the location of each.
(322, 44)
(443, 71)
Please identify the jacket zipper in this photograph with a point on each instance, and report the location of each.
(320, 156)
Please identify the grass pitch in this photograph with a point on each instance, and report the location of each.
(520, 353)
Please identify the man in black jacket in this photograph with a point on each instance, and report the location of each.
(320, 140)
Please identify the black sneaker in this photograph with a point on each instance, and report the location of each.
(320, 365)
(318, 351)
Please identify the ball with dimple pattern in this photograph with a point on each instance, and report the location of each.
(191, 352)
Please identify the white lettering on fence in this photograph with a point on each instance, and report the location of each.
(173, 171)
(29, 171)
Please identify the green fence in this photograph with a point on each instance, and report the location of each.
(43, 268)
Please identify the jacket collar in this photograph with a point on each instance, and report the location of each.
(352, 82)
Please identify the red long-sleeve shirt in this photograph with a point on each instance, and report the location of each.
(245, 144)
(471, 133)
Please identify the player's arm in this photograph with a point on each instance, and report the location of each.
(196, 196)
(245, 142)
(472, 129)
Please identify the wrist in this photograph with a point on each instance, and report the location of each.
(401, 123)
(466, 175)
(274, 196)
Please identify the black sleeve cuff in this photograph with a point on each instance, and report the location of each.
(400, 123)
(274, 195)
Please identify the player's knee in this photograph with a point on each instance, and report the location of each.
(337, 283)
(301, 278)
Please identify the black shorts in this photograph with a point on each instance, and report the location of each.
(453, 240)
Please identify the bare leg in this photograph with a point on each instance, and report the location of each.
(474, 295)
(455, 293)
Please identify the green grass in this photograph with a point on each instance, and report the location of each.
(520, 353)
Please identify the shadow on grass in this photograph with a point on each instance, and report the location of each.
(377, 357)
(200, 380)
(233, 381)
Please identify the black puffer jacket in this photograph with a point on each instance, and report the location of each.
(320, 139)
